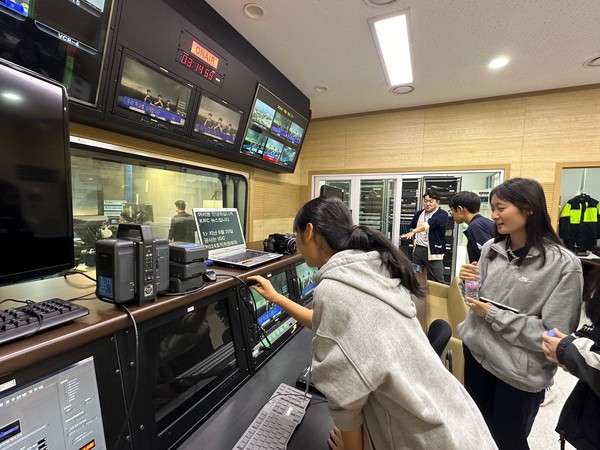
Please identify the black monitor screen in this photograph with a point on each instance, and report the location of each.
(275, 131)
(193, 355)
(306, 277)
(217, 122)
(60, 410)
(62, 39)
(36, 224)
(147, 95)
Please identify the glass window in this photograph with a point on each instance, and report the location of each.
(110, 187)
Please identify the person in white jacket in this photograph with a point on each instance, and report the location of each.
(386, 387)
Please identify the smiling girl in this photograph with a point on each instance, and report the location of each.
(527, 268)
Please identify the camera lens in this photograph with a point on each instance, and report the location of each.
(291, 245)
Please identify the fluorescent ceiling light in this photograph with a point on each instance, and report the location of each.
(391, 38)
(498, 63)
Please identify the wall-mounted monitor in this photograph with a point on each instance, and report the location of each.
(36, 221)
(217, 122)
(152, 96)
(65, 40)
(275, 131)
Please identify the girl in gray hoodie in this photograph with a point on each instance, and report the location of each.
(386, 387)
(524, 267)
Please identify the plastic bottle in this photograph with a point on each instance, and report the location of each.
(472, 288)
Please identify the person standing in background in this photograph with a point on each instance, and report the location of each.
(182, 224)
(464, 207)
(428, 229)
(579, 354)
(527, 268)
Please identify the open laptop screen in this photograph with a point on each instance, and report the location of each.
(219, 228)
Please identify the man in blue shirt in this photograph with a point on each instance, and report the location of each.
(464, 207)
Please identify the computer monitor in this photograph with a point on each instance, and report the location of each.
(217, 122)
(305, 277)
(275, 131)
(36, 223)
(267, 312)
(137, 213)
(60, 410)
(151, 96)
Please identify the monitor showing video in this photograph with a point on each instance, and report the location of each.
(152, 96)
(217, 122)
(275, 131)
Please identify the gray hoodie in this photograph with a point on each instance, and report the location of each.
(509, 345)
(376, 367)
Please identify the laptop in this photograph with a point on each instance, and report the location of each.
(220, 230)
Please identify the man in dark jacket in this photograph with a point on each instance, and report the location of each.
(428, 229)
(464, 207)
(182, 224)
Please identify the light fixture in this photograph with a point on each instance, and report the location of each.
(593, 62)
(401, 90)
(321, 88)
(498, 63)
(390, 33)
(379, 2)
(254, 10)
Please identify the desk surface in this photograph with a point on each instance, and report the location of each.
(222, 430)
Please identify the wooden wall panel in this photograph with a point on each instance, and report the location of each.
(385, 140)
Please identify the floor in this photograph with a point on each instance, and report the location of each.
(543, 436)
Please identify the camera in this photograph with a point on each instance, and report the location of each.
(281, 243)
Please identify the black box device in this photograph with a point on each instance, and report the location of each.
(187, 252)
(132, 268)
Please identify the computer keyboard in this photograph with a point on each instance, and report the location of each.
(248, 254)
(26, 320)
(274, 425)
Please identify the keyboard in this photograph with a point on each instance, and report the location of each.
(238, 257)
(274, 425)
(27, 320)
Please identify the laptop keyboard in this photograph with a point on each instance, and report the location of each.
(238, 257)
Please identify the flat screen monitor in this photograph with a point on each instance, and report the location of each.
(217, 122)
(137, 213)
(61, 410)
(306, 279)
(327, 190)
(36, 223)
(62, 39)
(267, 313)
(275, 131)
(149, 95)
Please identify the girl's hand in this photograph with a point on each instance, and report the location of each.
(469, 272)
(335, 439)
(263, 287)
(550, 343)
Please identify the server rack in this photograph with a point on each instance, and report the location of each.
(409, 205)
(377, 205)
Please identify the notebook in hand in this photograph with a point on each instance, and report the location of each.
(220, 230)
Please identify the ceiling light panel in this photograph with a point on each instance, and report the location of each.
(390, 33)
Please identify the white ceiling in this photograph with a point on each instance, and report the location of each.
(328, 42)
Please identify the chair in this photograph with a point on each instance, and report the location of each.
(447, 303)
(439, 334)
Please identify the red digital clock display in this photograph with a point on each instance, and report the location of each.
(199, 67)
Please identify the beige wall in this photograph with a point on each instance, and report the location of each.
(526, 135)
(529, 135)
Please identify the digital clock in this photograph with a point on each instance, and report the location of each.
(197, 66)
